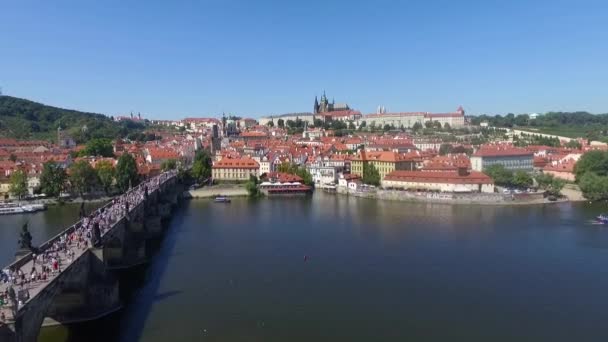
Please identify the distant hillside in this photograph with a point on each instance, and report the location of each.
(24, 119)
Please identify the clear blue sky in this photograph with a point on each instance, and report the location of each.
(252, 58)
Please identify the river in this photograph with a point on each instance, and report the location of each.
(333, 268)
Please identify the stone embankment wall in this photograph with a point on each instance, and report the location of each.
(456, 198)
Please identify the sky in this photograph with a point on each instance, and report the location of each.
(179, 59)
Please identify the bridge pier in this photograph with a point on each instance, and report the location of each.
(88, 287)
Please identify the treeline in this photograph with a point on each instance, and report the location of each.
(551, 119)
(24, 119)
(81, 178)
(591, 172)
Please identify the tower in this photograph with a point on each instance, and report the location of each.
(316, 106)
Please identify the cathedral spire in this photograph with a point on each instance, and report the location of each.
(316, 107)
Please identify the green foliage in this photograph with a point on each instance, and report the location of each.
(126, 172)
(52, 179)
(143, 137)
(270, 123)
(521, 179)
(445, 149)
(594, 187)
(371, 176)
(82, 177)
(252, 186)
(417, 127)
(24, 119)
(98, 147)
(351, 125)
(201, 168)
(592, 161)
(298, 171)
(573, 144)
(12, 157)
(105, 173)
(169, 164)
(18, 184)
(550, 184)
(499, 174)
(281, 123)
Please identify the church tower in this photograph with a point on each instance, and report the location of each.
(316, 107)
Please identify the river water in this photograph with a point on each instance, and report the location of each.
(333, 268)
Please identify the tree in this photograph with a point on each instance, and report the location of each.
(82, 177)
(417, 126)
(499, 174)
(318, 123)
(522, 179)
(594, 187)
(573, 144)
(447, 127)
(593, 161)
(429, 124)
(52, 179)
(169, 164)
(445, 149)
(281, 123)
(105, 173)
(126, 172)
(270, 123)
(252, 186)
(98, 147)
(18, 184)
(12, 157)
(201, 168)
(387, 128)
(552, 185)
(351, 125)
(371, 176)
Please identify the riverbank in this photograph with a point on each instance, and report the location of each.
(226, 190)
(495, 199)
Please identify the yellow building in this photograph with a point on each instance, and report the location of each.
(235, 169)
(384, 161)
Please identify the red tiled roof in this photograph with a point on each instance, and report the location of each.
(502, 151)
(236, 163)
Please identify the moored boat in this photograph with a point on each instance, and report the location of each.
(221, 199)
(14, 208)
(603, 219)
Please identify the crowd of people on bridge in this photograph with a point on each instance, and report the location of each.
(47, 262)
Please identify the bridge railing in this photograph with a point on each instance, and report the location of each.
(17, 264)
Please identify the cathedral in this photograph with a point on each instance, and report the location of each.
(325, 107)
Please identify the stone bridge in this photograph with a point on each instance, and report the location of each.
(86, 288)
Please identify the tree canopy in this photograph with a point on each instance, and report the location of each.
(24, 119)
(371, 176)
(98, 147)
(83, 177)
(126, 172)
(105, 173)
(499, 174)
(169, 164)
(18, 184)
(201, 168)
(52, 179)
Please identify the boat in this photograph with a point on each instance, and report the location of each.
(14, 208)
(221, 199)
(602, 219)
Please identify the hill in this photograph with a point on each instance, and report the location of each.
(24, 119)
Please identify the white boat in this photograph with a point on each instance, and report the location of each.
(14, 208)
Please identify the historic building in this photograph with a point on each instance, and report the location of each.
(461, 181)
(512, 158)
(408, 120)
(324, 106)
(235, 169)
(385, 162)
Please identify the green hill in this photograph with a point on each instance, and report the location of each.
(24, 119)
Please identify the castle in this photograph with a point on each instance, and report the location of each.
(325, 107)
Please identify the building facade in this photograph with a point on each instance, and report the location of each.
(384, 161)
(461, 181)
(513, 159)
(235, 169)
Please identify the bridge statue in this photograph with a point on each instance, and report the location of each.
(26, 238)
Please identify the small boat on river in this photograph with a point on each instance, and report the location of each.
(602, 219)
(221, 199)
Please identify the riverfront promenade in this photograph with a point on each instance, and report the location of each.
(23, 280)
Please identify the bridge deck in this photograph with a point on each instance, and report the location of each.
(134, 198)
